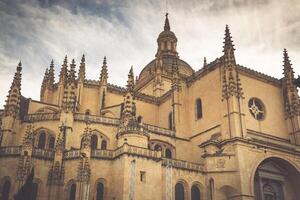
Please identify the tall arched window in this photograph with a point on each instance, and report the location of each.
(139, 119)
(72, 195)
(42, 140)
(168, 153)
(94, 141)
(198, 109)
(170, 121)
(179, 191)
(51, 142)
(212, 188)
(100, 191)
(5, 190)
(35, 188)
(195, 193)
(103, 144)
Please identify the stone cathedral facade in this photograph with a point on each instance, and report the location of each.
(173, 133)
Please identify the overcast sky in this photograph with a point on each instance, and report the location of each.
(126, 31)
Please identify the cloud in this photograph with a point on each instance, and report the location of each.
(126, 32)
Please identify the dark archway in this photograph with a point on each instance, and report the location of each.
(103, 145)
(72, 195)
(179, 191)
(276, 179)
(195, 192)
(42, 140)
(198, 109)
(51, 142)
(5, 190)
(100, 191)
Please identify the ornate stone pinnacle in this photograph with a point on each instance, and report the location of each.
(167, 24)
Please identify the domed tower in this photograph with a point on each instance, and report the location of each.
(167, 42)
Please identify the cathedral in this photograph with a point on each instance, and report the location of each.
(223, 132)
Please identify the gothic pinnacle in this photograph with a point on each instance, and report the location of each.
(167, 24)
(72, 75)
(104, 60)
(64, 71)
(81, 73)
(228, 44)
(51, 74)
(130, 81)
(204, 62)
(104, 74)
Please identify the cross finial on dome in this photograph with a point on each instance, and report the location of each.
(167, 24)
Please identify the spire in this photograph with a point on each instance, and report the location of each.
(130, 81)
(45, 79)
(81, 73)
(167, 24)
(104, 74)
(228, 44)
(14, 94)
(51, 75)
(64, 71)
(72, 74)
(292, 104)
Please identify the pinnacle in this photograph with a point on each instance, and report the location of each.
(83, 58)
(19, 67)
(286, 59)
(104, 60)
(228, 39)
(66, 59)
(167, 24)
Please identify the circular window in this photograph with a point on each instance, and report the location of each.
(256, 108)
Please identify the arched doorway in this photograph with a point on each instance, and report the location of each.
(100, 191)
(276, 179)
(72, 195)
(179, 191)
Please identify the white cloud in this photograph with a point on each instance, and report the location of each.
(126, 32)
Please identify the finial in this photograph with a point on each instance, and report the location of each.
(83, 58)
(66, 59)
(204, 62)
(167, 24)
(19, 67)
(104, 60)
(73, 61)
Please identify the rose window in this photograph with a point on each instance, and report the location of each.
(256, 108)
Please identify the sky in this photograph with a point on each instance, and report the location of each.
(125, 31)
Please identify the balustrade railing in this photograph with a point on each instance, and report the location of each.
(159, 130)
(96, 119)
(41, 117)
(72, 154)
(10, 151)
(43, 154)
(182, 164)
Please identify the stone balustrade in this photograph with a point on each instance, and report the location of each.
(159, 130)
(180, 164)
(72, 154)
(103, 154)
(41, 117)
(96, 119)
(10, 151)
(46, 154)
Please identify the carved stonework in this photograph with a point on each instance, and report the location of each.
(28, 138)
(84, 170)
(24, 167)
(56, 174)
(220, 163)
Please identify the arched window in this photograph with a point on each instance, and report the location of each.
(139, 119)
(35, 188)
(72, 195)
(157, 147)
(170, 121)
(81, 143)
(198, 109)
(42, 140)
(212, 189)
(94, 141)
(168, 153)
(51, 142)
(195, 193)
(5, 190)
(100, 191)
(179, 191)
(103, 144)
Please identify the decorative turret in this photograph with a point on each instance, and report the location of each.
(232, 94)
(104, 74)
(167, 41)
(27, 144)
(12, 107)
(64, 71)
(81, 73)
(51, 78)
(129, 130)
(291, 99)
(69, 97)
(72, 73)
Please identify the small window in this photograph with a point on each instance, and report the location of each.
(42, 140)
(170, 121)
(139, 119)
(198, 109)
(94, 141)
(157, 147)
(100, 191)
(143, 176)
(168, 153)
(51, 142)
(256, 108)
(104, 145)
